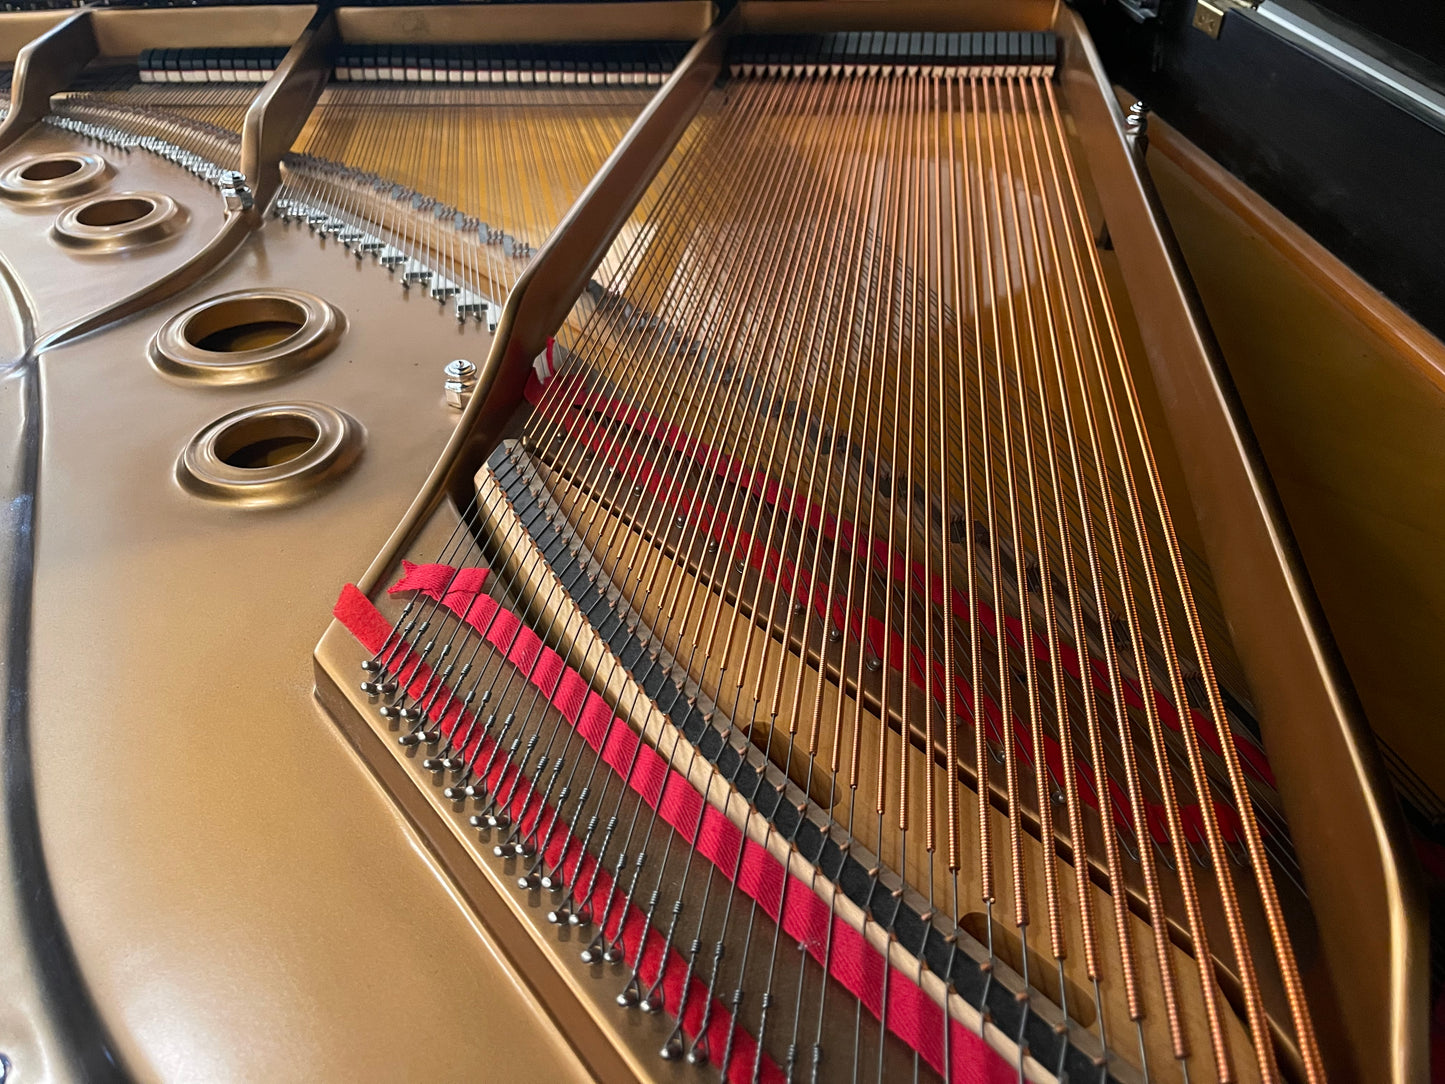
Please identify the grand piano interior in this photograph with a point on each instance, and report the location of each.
(779, 540)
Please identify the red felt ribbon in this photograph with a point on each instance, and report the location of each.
(912, 1015)
(527, 810)
(564, 396)
(920, 671)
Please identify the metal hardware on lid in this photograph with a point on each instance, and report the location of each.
(1209, 14)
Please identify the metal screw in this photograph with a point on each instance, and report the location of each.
(461, 379)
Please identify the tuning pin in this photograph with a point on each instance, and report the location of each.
(652, 1002)
(559, 916)
(580, 917)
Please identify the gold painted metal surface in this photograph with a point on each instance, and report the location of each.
(119, 221)
(270, 124)
(265, 856)
(1328, 769)
(50, 178)
(49, 1032)
(313, 444)
(248, 906)
(303, 329)
(621, 1046)
(68, 285)
(1255, 548)
(44, 67)
(356, 944)
(610, 548)
(125, 32)
(276, 116)
(1093, 87)
(682, 20)
(545, 292)
(17, 328)
(19, 28)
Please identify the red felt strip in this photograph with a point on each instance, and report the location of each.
(912, 1015)
(562, 396)
(681, 500)
(372, 630)
(727, 467)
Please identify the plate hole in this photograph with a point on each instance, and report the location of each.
(51, 169)
(115, 212)
(269, 441)
(252, 335)
(247, 323)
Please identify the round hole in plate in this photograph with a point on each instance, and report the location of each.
(51, 169)
(123, 220)
(246, 336)
(245, 323)
(120, 211)
(268, 440)
(50, 178)
(270, 454)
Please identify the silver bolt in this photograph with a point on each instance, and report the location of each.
(461, 379)
(1137, 127)
(234, 191)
